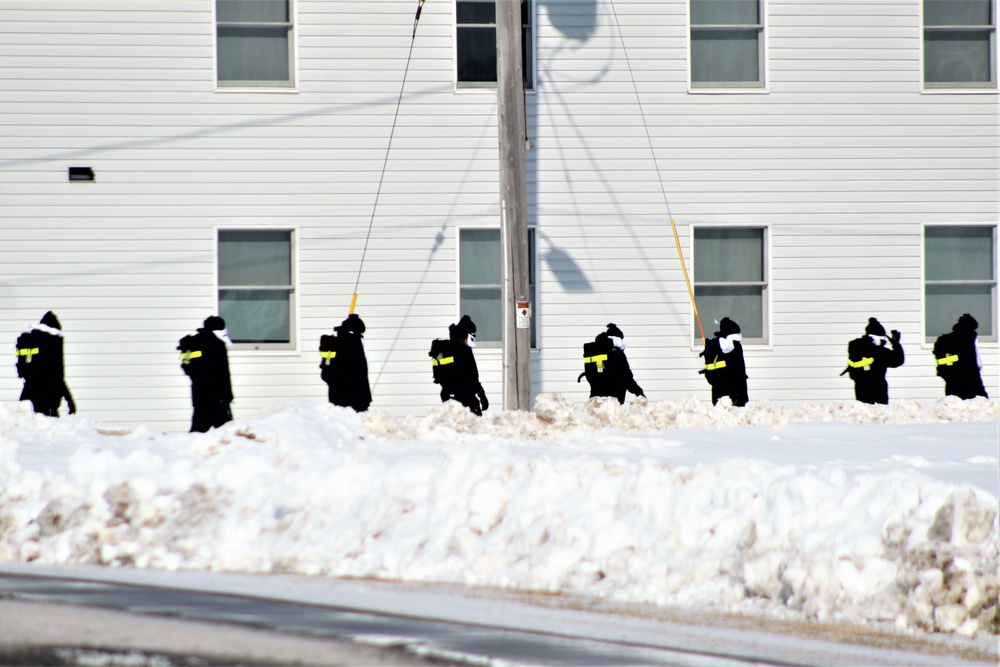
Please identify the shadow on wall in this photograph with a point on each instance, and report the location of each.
(565, 269)
(576, 20)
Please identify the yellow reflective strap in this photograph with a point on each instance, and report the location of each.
(328, 355)
(442, 361)
(188, 356)
(26, 352)
(948, 360)
(596, 359)
(715, 365)
(866, 362)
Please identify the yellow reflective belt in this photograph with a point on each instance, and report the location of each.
(866, 362)
(442, 361)
(188, 356)
(28, 352)
(948, 360)
(327, 356)
(715, 365)
(598, 359)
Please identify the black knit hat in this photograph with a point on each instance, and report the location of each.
(727, 328)
(49, 319)
(967, 322)
(874, 328)
(465, 326)
(614, 331)
(353, 324)
(214, 323)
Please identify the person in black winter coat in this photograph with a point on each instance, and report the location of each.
(205, 359)
(606, 367)
(461, 383)
(725, 369)
(868, 358)
(40, 363)
(958, 361)
(346, 372)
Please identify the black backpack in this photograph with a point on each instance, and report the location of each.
(713, 370)
(945, 357)
(193, 361)
(327, 357)
(858, 365)
(27, 350)
(442, 354)
(599, 367)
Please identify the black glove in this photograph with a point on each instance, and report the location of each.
(894, 336)
(638, 391)
(484, 401)
(71, 404)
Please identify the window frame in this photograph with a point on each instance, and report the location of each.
(928, 341)
(967, 86)
(292, 346)
(291, 86)
(533, 260)
(532, 47)
(763, 65)
(767, 284)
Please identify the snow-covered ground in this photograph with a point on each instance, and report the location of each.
(851, 512)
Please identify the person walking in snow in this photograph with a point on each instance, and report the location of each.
(958, 360)
(455, 367)
(41, 365)
(606, 367)
(344, 366)
(205, 359)
(725, 368)
(868, 358)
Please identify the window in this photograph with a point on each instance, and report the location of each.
(727, 44)
(730, 279)
(255, 43)
(476, 45)
(960, 43)
(960, 276)
(481, 282)
(255, 286)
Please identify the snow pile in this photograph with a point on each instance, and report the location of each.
(556, 417)
(521, 500)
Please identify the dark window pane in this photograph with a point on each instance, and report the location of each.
(479, 254)
(477, 54)
(962, 56)
(256, 316)
(721, 56)
(468, 11)
(743, 305)
(254, 11)
(728, 255)
(946, 303)
(253, 54)
(725, 12)
(255, 257)
(959, 253)
(957, 12)
(483, 305)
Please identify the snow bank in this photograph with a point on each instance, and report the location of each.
(506, 501)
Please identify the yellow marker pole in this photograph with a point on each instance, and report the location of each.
(354, 302)
(687, 280)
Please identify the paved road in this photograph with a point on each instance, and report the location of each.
(358, 624)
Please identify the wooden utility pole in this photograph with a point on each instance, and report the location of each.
(514, 206)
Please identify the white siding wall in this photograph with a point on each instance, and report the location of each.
(843, 158)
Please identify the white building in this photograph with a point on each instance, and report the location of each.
(825, 161)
